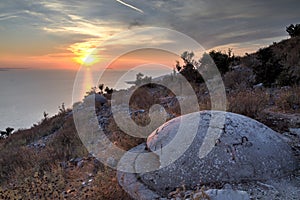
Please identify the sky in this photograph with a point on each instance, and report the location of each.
(62, 34)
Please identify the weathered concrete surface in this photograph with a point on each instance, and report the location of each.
(130, 182)
(295, 131)
(245, 150)
(227, 194)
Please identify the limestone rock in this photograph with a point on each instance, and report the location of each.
(131, 183)
(240, 149)
(227, 194)
(95, 98)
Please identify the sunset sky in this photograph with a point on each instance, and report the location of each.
(61, 34)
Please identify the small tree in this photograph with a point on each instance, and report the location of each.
(139, 78)
(45, 115)
(62, 108)
(222, 60)
(101, 87)
(293, 30)
(9, 130)
(142, 79)
(269, 68)
(5, 134)
(189, 69)
(91, 91)
(108, 90)
(188, 58)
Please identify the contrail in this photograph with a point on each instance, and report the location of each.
(7, 17)
(130, 6)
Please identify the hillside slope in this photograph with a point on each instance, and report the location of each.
(50, 161)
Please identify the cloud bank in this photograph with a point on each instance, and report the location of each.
(38, 28)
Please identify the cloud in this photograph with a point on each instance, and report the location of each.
(58, 26)
(7, 16)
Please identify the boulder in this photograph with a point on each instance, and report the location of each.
(227, 194)
(134, 188)
(130, 182)
(95, 98)
(99, 98)
(235, 150)
(295, 131)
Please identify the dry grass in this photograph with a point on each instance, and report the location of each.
(35, 173)
(239, 80)
(250, 103)
(121, 139)
(16, 155)
(288, 100)
(43, 128)
(72, 183)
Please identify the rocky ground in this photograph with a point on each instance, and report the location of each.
(82, 171)
(79, 175)
(287, 188)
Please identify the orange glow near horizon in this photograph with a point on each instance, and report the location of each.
(144, 56)
(38, 62)
(87, 54)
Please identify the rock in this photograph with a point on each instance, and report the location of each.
(136, 112)
(64, 165)
(242, 149)
(260, 85)
(100, 99)
(95, 98)
(111, 161)
(130, 182)
(226, 194)
(91, 156)
(76, 160)
(295, 131)
(80, 164)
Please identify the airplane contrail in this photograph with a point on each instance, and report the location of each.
(130, 6)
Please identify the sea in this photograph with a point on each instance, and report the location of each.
(25, 94)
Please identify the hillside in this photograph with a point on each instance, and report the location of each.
(49, 161)
(280, 61)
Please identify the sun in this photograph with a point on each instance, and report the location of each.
(87, 59)
(85, 54)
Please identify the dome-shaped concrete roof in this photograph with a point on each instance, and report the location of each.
(244, 149)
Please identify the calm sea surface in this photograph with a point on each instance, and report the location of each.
(25, 93)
